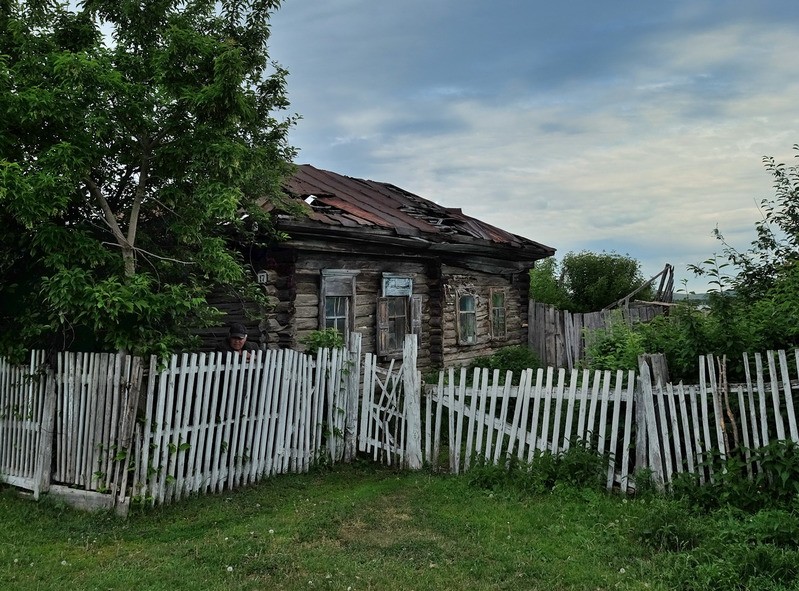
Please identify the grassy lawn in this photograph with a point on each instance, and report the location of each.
(349, 528)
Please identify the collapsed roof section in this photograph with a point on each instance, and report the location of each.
(358, 209)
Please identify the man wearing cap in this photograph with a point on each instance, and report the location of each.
(236, 341)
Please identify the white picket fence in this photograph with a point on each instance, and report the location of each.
(638, 422)
(100, 426)
(492, 420)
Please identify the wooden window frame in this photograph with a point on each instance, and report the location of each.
(396, 285)
(460, 320)
(493, 310)
(338, 283)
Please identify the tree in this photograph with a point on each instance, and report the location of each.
(139, 140)
(774, 252)
(587, 281)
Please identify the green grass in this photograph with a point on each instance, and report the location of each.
(353, 527)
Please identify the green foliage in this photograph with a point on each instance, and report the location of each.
(754, 295)
(617, 346)
(598, 280)
(669, 526)
(516, 358)
(587, 281)
(774, 480)
(329, 338)
(138, 139)
(578, 467)
(724, 550)
(545, 285)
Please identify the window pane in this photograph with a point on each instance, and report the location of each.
(397, 322)
(498, 314)
(336, 313)
(467, 319)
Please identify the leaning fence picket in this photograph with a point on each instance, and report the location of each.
(628, 427)
(614, 429)
(788, 395)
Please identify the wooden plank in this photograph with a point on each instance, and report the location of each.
(491, 412)
(477, 376)
(698, 447)
(556, 422)
(199, 422)
(437, 428)
(675, 427)
(745, 430)
(665, 433)
(215, 423)
(141, 482)
(628, 427)
(721, 425)
(687, 439)
(762, 404)
(754, 442)
(522, 398)
(459, 417)
(647, 398)
(569, 424)
(276, 381)
(775, 396)
(532, 437)
(260, 418)
(614, 428)
(788, 395)
(483, 423)
(413, 457)
(603, 411)
(545, 441)
(590, 431)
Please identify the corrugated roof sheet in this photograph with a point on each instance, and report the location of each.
(338, 200)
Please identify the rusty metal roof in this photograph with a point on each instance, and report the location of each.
(336, 200)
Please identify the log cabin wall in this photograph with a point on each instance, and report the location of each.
(461, 281)
(296, 303)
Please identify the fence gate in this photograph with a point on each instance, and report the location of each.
(390, 418)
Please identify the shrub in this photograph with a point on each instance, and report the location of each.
(578, 467)
(328, 338)
(615, 347)
(516, 359)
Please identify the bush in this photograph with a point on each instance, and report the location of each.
(578, 467)
(328, 338)
(774, 484)
(615, 347)
(516, 359)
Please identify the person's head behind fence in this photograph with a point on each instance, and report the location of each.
(237, 331)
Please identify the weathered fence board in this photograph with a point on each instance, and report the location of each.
(210, 422)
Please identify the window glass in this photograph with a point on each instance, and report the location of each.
(398, 324)
(467, 319)
(336, 313)
(498, 314)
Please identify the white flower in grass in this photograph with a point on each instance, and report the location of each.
(230, 569)
(271, 531)
(622, 571)
(63, 563)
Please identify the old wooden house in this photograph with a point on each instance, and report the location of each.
(373, 258)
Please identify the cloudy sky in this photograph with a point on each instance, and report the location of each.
(624, 126)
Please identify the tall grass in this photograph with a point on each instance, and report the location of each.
(360, 527)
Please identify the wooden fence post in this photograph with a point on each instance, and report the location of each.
(44, 455)
(413, 401)
(352, 397)
(653, 441)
